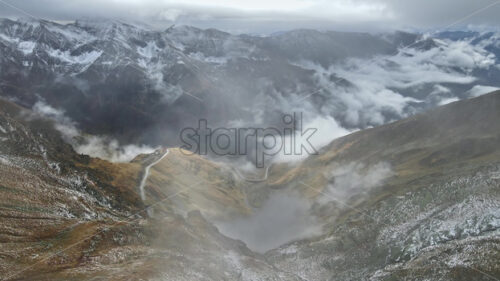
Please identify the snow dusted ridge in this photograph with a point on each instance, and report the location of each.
(84, 42)
(111, 70)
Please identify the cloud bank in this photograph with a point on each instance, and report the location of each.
(268, 16)
(479, 90)
(382, 88)
(96, 146)
(282, 218)
(354, 179)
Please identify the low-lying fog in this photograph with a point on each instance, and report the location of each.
(287, 216)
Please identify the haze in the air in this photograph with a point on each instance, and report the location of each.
(268, 16)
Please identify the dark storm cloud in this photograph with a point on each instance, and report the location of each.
(268, 16)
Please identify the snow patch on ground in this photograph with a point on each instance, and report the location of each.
(65, 56)
(5, 161)
(74, 35)
(9, 39)
(289, 250)
(474, 216)
(149, 51)
(210, 59)
(26, 47)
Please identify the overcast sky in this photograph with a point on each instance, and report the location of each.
(265, 16)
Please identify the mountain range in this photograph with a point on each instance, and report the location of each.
(140, 85)
(405, 184)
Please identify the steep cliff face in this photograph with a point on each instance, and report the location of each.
(417, 199)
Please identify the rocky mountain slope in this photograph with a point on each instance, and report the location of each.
(417, 199)
(70, 217)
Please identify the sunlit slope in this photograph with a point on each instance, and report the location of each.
(201, 185)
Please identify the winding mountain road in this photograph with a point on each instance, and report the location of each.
(146, 174)
(253, 179)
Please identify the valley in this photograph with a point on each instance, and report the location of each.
(416, 199)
